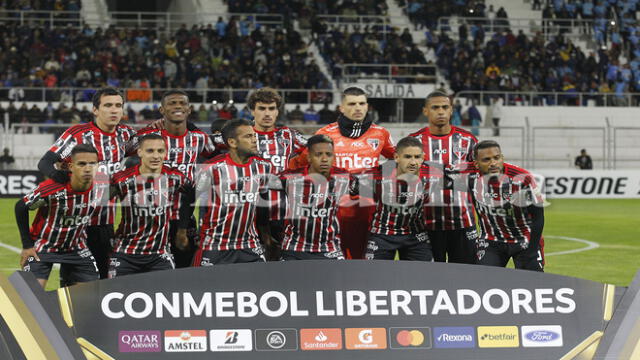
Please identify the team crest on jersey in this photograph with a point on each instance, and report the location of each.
(374, 143)
(460, 149)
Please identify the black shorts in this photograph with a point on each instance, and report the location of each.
(454, 246)
(75, 266)
(126, 264)
(287, 255)
(410, 247)
(99, 238)
(218, 257)
(494, 253)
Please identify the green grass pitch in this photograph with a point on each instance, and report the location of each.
(614, 225)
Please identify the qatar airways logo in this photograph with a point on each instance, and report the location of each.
(355, 161)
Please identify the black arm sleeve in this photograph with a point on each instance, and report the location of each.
(46, 165)
(537, 223)
(187, 203)
(191, 126)
(22, 219)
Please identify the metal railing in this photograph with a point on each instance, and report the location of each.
(392, 72)
(546, 26)
(544, 98)
(75, 94)
(162, 21)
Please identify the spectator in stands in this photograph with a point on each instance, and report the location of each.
(583, 161)
(475, 118)
(295, 116)
(326, 115)
(496, 114)
(456, 116)
(311, 115)
(7, 161)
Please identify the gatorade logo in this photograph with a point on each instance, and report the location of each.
(366, 338)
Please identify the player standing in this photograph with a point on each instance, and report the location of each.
(509, 207)
(358, 144)
(59, 230)
(111, 140)
(232, 186)
(148, 194)
(449, 213)
(184, 147)
(311, 198)
(399, 189)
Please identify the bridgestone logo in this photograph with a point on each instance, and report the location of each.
(455, 338)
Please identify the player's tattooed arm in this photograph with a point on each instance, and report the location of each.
(47, 166)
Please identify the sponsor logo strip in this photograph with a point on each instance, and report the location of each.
(366, 338)
(454, 337)
(139, 341)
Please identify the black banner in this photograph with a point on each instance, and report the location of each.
(338, 309)
(16, 183)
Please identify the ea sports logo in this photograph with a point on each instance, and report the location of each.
(276, 340)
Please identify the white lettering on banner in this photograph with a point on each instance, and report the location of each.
(600, 184)
(352, 303)
(397, 91)
(17, 184)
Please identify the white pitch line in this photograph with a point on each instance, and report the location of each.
(12, 248)
(590, 245)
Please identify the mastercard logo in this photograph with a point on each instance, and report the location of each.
(410, 338)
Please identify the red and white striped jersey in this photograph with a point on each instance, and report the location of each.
(148, 204)
(448, 209)
(279, 145)
(232, 193)
(311, 202)
(399, 201)
(502, 202)
(112, 149)
(63, 215)
(182, 151)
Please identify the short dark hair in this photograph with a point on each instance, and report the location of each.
(435, 94)
(408, 141)
(353, 90)
(83, 148)
(485, 144)
(108, 91)
(319, 139)
(149, 137)
(173, 92)
(230, 129)
(264, 95)
(217, 125)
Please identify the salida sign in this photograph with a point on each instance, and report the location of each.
(377, 308)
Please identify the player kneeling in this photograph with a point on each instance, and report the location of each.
(400, 190)
(59, 230)
(312, 197)
(148, 195)
(509, 207)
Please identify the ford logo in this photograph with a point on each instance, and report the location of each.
(542, 335)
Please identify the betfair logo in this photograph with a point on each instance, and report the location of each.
(498, 336)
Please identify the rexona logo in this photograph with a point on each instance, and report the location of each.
(498, 337)
(454, 337)
(231, 340)
(410, 338)
(366, 338)
(185, 340)
(276, 339)
(139, 341)
(542, 336)
(320, 339)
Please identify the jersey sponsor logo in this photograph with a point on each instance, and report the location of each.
(74, 220)
(542, 336)
(149, 211)
(357, 144)
(231, 340)
(239, 197)
(139, 341)
(109, 168)
(185, 341)
(439, 151)
(355, 161)
(277, 160)
(374, 143)
(311, 212)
